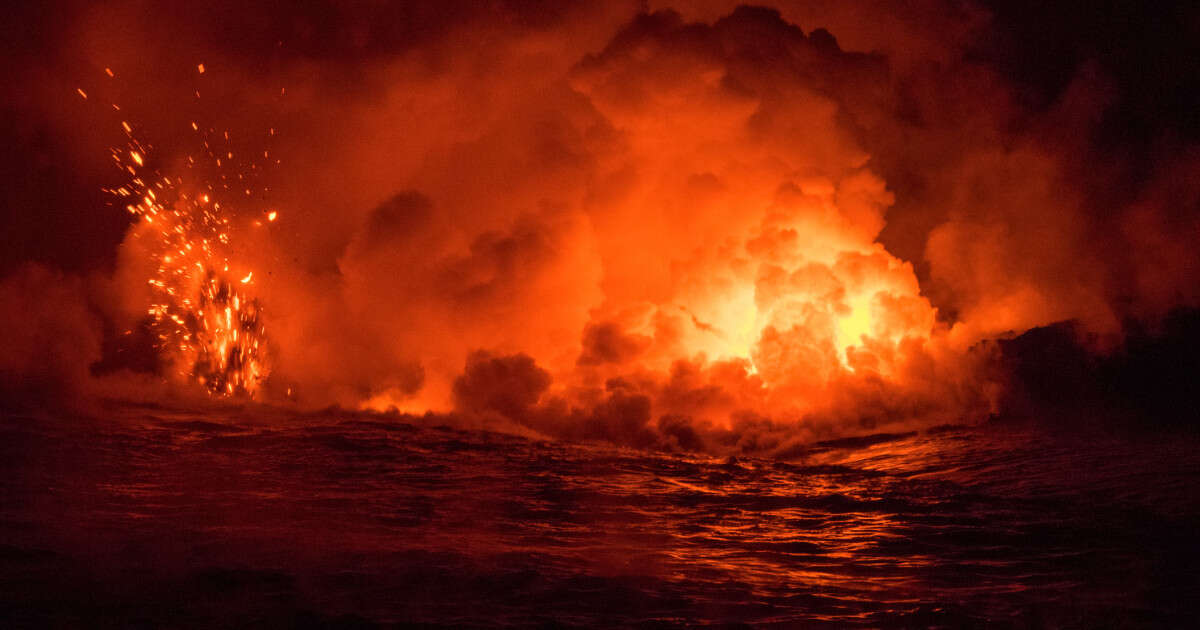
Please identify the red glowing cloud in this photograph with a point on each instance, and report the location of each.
(692, 226)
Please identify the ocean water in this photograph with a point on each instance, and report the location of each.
(257, 518)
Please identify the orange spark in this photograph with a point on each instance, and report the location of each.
(208, 326)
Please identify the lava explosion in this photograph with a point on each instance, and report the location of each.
(203, 313)
(666, 235)
(681, 225)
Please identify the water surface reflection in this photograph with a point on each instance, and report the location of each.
(166, 518)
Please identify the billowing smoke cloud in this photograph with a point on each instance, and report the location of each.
(49, 335)
(696, 227)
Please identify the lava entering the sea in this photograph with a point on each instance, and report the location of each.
(203, 311)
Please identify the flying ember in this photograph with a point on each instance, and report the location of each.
(203, 311)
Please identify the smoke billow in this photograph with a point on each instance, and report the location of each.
(689, 227)
(49, 335)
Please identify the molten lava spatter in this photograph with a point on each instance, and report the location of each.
(203, 312)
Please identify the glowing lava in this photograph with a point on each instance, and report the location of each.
(203, 312)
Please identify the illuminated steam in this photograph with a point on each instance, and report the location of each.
(698, 226)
